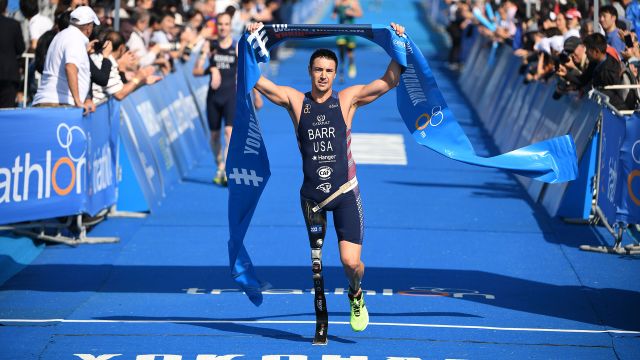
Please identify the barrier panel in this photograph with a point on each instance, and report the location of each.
(516, 114)
(199, 86)
(163, 136)
(619, 186)
(56, 162)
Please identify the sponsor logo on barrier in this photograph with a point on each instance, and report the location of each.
(419, 291)
(633, 174)
(434, 119)
(145, 109)
(185, 112)
(157, 356)
(15, 181)
(324, 187)
(102, 170)
(324, 172)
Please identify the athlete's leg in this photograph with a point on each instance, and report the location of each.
(316, 229)
(342, 46)
(216, 146)
(349, 222)
(227, 138)
(350, 54)
(352, 264)
(229, 113)
(214, 119)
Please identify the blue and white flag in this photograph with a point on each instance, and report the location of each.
(421, 106)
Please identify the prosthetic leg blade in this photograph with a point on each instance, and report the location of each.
(322, 317)
(316, 228)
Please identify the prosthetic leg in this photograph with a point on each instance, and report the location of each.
(316, 228)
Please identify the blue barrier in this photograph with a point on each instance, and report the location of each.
(56, 162)
(609, 189)
(516, 114)
(164, 136)
(619, 196)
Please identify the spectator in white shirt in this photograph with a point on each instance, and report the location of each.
(66, 79)
(139, 39)
(38, 24)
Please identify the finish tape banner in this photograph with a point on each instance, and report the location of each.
(421, 106)
(55, 162)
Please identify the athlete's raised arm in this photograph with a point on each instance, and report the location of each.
(360, 95)
(279, 95)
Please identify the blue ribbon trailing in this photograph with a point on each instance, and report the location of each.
(421, 106)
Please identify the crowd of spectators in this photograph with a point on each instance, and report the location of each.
(559, 42)
(80, 59)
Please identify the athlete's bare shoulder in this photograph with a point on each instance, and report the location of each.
(348, 95)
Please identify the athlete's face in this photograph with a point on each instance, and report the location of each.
(322, 72)
(224, 25)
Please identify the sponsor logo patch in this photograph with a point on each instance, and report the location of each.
(324, 187)
(324, 172)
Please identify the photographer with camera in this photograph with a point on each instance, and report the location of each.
(574, 68)
(116, 86)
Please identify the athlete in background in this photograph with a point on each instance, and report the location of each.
(346, 11)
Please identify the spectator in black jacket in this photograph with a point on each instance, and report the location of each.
(11, 48)
(607, 71)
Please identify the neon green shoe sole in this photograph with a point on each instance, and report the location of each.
(359, 314)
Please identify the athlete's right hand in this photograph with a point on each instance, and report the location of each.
(253, 27)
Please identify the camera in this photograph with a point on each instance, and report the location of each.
(563, 58)
(169, 46)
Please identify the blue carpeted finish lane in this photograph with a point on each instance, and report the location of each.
(460, 263)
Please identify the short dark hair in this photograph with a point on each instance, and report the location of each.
(63, 20)
(609, 9)
(29, 8)
(596, 41)
(325, 53)
(3, 6)
(224, 13)
(117, 40)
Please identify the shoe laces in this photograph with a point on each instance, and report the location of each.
(355, 305)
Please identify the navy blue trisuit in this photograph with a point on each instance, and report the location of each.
(327, 164)
(221, 103)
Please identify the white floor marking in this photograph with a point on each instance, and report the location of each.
(382, 149)
(178, 321)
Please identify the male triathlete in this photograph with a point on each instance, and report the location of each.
(221, 97)
(322, 120)
(346, 11)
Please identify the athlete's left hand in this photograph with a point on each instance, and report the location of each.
(398, 28)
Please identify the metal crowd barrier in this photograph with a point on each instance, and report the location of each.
(516, 113)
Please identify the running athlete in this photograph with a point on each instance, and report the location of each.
(221, 97)
(322, 121)
(346, 11)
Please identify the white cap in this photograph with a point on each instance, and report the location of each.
(83, 15)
